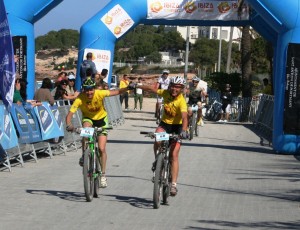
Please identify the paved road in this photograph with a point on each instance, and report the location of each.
(227, 181)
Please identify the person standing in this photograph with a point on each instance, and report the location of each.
(226, 97)
(87, 64)
(43, 93)
(162, 83)
(125, 95)
(138, 95)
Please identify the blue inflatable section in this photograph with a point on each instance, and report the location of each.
(276, 21)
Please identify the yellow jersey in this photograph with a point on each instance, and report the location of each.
(173, 107)
(124, 84)
(94, 108)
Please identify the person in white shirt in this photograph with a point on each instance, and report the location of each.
(138, 95)
(162, 83)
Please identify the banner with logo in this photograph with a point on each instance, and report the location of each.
(101, 58)
(8, 135)
(196, 10)
(20, 51)
(117, 21)
(291, 120)
(7, 63)
(50, 123)
(26, 123)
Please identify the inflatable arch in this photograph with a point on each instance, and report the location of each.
(276, 21)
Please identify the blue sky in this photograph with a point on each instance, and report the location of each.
(70, 14)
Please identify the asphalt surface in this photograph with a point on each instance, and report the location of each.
(227, 180)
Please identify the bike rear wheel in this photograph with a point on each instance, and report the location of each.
(157, 189)
(97, 175)
(88, 180)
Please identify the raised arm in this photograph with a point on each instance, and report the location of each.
(149, 88)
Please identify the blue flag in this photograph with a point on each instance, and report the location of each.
(7, 61)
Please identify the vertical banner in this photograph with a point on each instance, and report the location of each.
(291, 122)
(8, 135)
(48, 122)
(7, 63)
(20, 51)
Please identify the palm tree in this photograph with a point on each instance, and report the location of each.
(245, 63)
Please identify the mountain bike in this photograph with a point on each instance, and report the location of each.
(193, 125)
(162, 166)
(91, 160)
(213, 110)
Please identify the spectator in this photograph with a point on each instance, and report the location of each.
(20, 95)
(71, 82)
(87, 64)
(267, 87)
(226, 98)
(61, 92)
(125, 95)
(61, 76)
(17, 98)
(162, 83)
(43, 93)
(138, 95)
(99, 79)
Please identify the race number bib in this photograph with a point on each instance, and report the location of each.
(87, 132)
(162, 136)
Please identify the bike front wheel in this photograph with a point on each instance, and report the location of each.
(192, 126)
(196, 128)
(97, 175)
(88, 180)
(166, 186)
(157, 189)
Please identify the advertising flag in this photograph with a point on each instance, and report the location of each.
(7, 63)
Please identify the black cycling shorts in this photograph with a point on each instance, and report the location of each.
(170, 128)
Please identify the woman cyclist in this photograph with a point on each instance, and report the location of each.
(174, 119)
(91, 104)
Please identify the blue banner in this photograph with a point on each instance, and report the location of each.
(50, 121)
(26, 123)
(8, 135)
(7, 61)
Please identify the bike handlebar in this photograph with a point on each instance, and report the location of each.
(152, 135)
(97, 129)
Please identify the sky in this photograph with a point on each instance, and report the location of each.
(69, 14)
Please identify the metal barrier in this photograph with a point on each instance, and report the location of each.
(263, 122)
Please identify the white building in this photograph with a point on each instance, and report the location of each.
(211, 32)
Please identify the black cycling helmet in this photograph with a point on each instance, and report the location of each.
(88, 84)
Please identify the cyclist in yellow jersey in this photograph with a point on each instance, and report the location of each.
(91, 104)
(174, 119)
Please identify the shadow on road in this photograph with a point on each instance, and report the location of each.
(134, 201)
(70, 196)
(257, 149)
